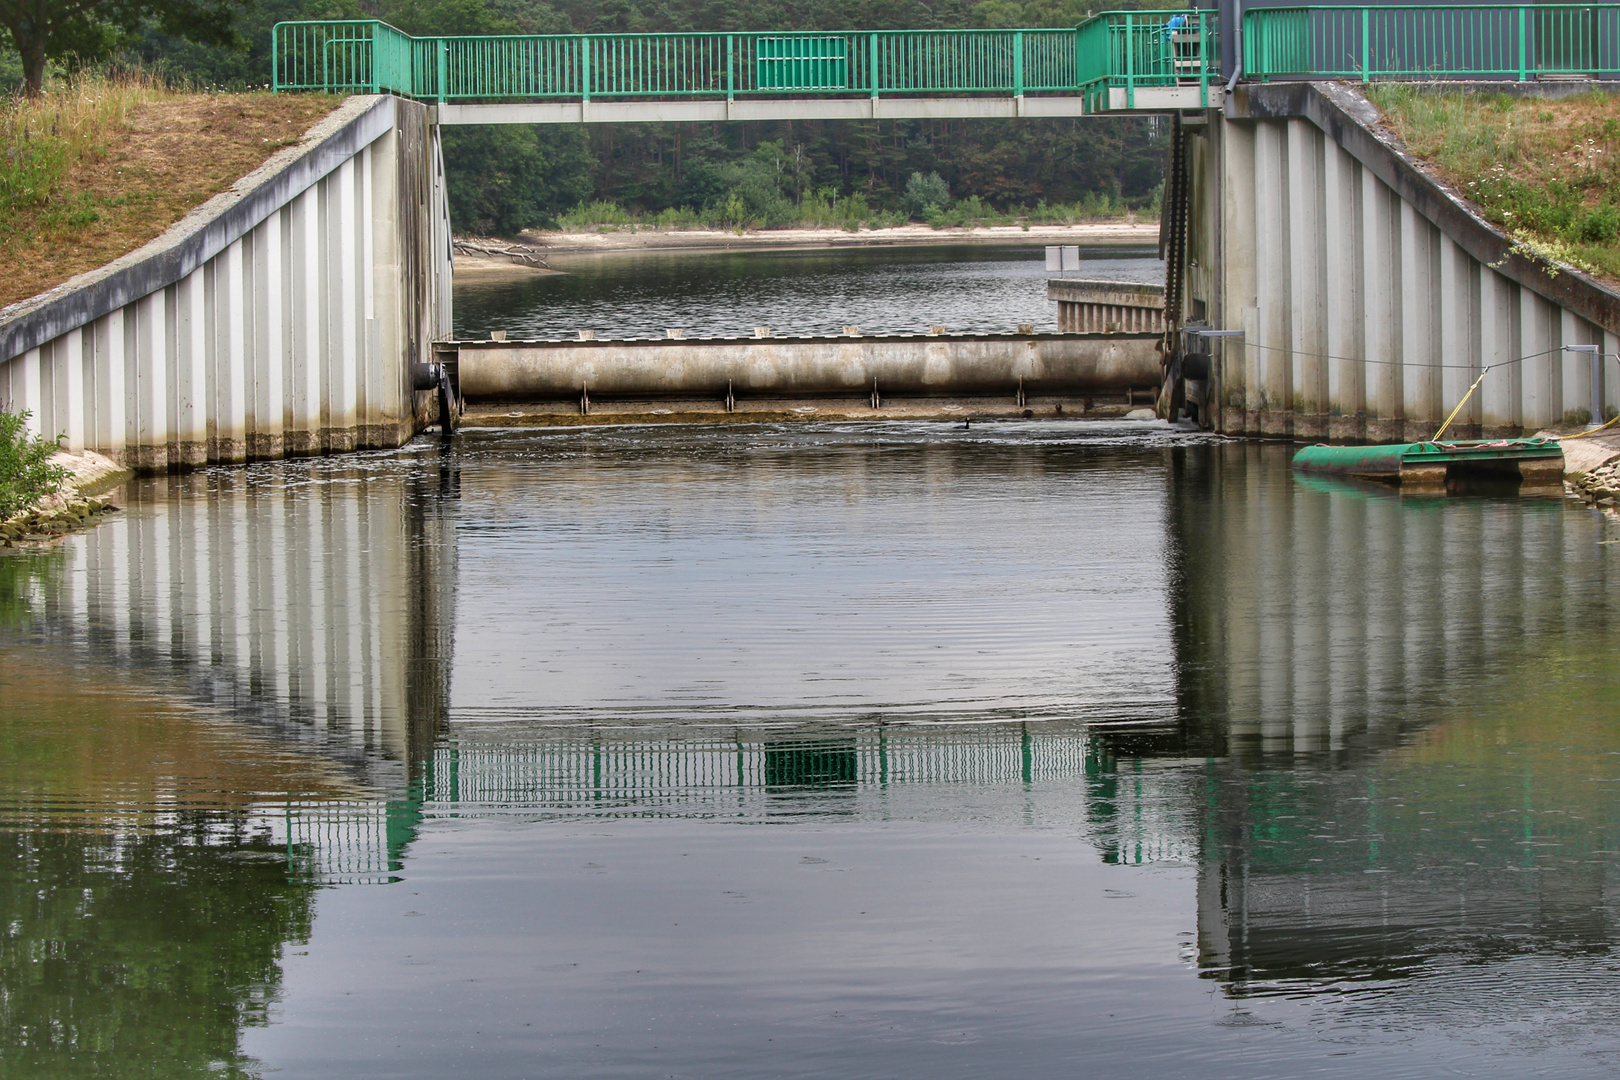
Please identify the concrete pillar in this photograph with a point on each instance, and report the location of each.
(1539, 363)
(1459, 337)
(343, 341)
(191, 396)
(369, 388)
(305, 339)
(111, 417)
(1342, 255)
(1581, 372)
(1307, 280)
(269, 347)
(27, 392)
(1381, 266)
(230, 359)
(150, 382)
(387, 278)
(70, 376)
(1273, 347)
(1419, 300)
(1237, 411)
(1498, 344)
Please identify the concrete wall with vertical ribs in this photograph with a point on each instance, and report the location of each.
(1370, 295)
(280, 318)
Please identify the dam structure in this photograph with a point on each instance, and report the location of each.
(1320, 284)
(293, 314)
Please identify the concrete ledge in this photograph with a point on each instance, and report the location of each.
(1355, 124)
(1122, 293)
(201, 234)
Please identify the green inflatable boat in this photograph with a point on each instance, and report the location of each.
(1535, 463)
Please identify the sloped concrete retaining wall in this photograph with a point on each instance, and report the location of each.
(282, 317)
(1369, 295)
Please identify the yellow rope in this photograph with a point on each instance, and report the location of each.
(1460, 405)
(1595, 430)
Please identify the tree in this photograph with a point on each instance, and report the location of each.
(84, 31)
(926, 194)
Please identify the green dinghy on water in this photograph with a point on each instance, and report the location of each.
(1535, 463)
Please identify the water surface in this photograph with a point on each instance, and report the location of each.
(885, 750)
(883, 290)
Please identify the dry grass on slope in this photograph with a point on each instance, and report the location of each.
(1546, 171)
(95, 168)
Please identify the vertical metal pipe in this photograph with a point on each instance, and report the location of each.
(874, 72)
(1130, 60)
(585, 68)
(1366, 33)
(1522, 20)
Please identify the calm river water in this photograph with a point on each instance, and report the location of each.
(1040, 750)
(967, 288)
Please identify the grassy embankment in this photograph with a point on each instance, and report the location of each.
(95, 167)
(827, 211)
(1546, 171)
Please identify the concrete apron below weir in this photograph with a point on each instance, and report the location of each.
(901, 376)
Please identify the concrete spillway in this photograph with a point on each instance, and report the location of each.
(908, 365)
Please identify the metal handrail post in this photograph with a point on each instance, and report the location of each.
(1130, 60)
(585, 69)
(1018, 64)
(873, 38)
(1203, 59)
(1366, 46)
(444, 70)
(731, 68)
(1522, 73)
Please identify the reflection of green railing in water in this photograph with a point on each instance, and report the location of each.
(1133, 812)
(1488, 42)
(1134, 50)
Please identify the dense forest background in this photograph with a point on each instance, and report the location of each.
(505, 179)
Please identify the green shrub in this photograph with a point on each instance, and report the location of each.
(26, 474)
(926, 195)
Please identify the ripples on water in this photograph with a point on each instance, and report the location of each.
(809, 750)
(969, 289)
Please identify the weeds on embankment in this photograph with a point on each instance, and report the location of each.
(1546, 171)
(26, 472)
(96, 166)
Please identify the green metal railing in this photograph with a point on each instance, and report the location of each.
(1128, 50)
(1498, 42)
(350, 56)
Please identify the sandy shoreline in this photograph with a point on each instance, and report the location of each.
(1100, 233)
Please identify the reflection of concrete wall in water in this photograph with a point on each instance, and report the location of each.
(316, 600)
(1325, 627)
(1326, 617)
(1384, 872)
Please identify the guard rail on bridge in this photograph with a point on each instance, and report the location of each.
(1138, 60)
(1487, 43)
(1125, 52)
